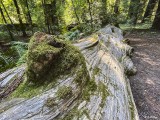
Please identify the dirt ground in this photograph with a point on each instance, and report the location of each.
(146, 83)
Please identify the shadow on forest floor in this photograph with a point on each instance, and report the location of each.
(146, 83)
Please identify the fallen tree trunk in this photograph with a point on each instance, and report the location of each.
(106, 96)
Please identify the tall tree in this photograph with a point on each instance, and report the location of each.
(5, 21)
(116, 6)
(75, 11)
(156, 22)
(133, 10)
(45, 15)
(29, 14)
(149, 9)
(51, 19)
(53, 13)
(8, 16)
(103, 13)
(6, 12)
(116, 12)
(90, 12)
(19, 18)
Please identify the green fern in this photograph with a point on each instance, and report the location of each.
(3, 59)
(15, 55)
(22, 59)
(19, 47)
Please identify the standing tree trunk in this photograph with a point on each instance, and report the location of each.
(133, 10)
(45, 15)
(116, 11)
(20, 19)
(53, 14)
(116, 6)
(156, 22)
(6, 12)
(149, 9)
(29, 15)
(9, 17)
(90, 13)
(75, 12)
(51, 19)
(1, 11)
(103, 13)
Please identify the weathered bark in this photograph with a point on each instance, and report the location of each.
(19, 18)
(108, 63)
(156, 23)
(11, 80)
(149, 9)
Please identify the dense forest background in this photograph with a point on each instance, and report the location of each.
(68, 19)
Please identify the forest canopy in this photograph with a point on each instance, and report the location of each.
(60, 16)
(67, 19)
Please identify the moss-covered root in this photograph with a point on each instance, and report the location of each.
(49, 57)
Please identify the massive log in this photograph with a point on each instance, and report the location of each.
(96, 88)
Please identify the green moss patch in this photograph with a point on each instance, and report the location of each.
(64, 92)
(103, 92)
(50, 102)
(96, 71)
(29, 90)
(89, 89)
(50, 57)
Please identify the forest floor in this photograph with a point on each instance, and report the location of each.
(146, 83)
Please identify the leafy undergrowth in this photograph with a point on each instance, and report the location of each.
(13, 56)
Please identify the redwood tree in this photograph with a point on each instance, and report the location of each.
(90, 12)
(156, 22)
(5, 21)
(149, 9)
(19, 18)
(29, 14)
(116, 6)
(103, 13)
(133, 10)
